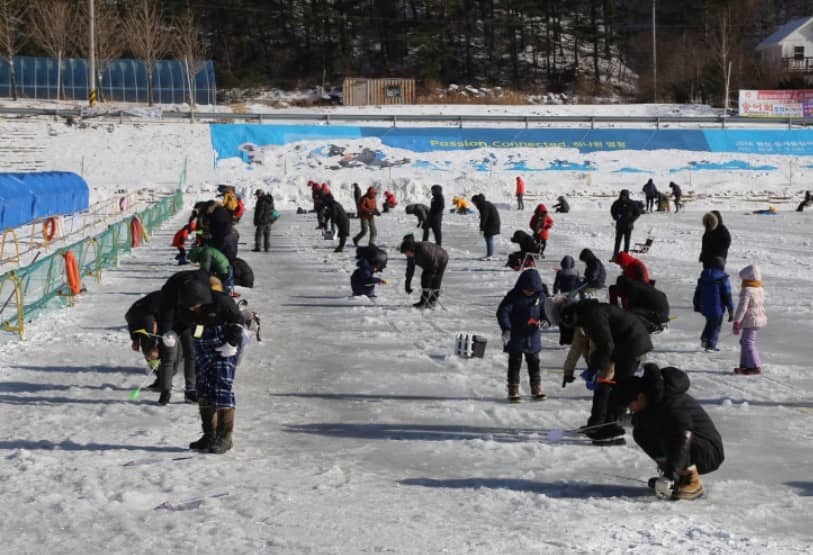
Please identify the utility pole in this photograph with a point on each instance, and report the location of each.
(92, 70)
(654, 58)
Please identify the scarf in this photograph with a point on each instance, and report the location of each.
(751, 283)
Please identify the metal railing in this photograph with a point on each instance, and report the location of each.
(459, 120)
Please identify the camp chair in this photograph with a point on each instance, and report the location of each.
(643, 248)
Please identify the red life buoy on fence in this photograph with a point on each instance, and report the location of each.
(49, 229)
(136, 232)
(122, 204)
(72, 273)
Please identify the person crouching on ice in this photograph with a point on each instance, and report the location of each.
(520, 315)
(673, 429)
(371, 260)
(217, 330)
(433, 260)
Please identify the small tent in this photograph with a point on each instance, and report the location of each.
(25, 197)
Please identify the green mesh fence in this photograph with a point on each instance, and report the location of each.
(44, 282)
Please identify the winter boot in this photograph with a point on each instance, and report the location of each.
(225, 425)
(661, 462)
(688, 485)
(208, 419)
(432, 298)
(424, 299)
(513, 393)
(536, 392)
(164, 398)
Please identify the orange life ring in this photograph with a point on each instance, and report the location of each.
(49, 229)
(136, 232)
(122, 204)
(72, 273)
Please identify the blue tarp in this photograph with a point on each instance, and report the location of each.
(25, 197)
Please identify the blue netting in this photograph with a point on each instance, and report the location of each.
(122, 80)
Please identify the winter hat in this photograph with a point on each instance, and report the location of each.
(554, 307)
(436, 189)
(408, 243)
(586, 255)
(624, 259)
(518, 236)
(567, 262)
(541, 209)
(624, 194)
(710, 221)
(751, 273)
(410, 209)
(372, 191)
(194, 292)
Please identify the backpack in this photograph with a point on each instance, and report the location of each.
(243, 274)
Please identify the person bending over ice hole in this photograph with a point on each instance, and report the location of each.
(433, 260)
(216, 264)
(646, 302)
(520, 316)
(632, 268)
(421, 212)
(620, 340)
(527, 246)
(339, 222)
(673, 429)
(217, 330)
(371, 260)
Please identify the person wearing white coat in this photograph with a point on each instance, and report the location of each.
(749, 317)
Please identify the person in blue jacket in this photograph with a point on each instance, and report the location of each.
(520, 316)
(712, 297)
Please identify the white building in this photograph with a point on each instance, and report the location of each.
(790, 47)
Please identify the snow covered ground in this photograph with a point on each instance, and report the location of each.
(357, 428)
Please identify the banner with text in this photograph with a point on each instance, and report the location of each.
(779, 103)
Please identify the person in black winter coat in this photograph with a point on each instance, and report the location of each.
(221, 233)
(337, 217)
(620, 340)
(357, 198)
(217, 329)
(527, 245)
(595, 276)
(808, 201)
(716, 239)
(651, 193)
(142, 322)
(436, 213)
(567, 277)
(421, 212)
(432, 259)
(646, 302)
(371, 260)
(489, 222)
(561, 206)
(624, 212)
(263, 218)
(678, 194)
(673, 429)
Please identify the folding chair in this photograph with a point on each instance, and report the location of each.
(643, 248)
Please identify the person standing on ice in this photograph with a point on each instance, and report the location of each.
(519, 315)
(651, 194)
(749, 318)
(217, 331)
(624, 212)
(436, 208)
(432, 259)
(357, 198)
(520, 192)
(712, 297)
(716, 239)
(421, 212)
(673, 429)
(489, 222)
(620, 340)
(263, 218)
(368, 210)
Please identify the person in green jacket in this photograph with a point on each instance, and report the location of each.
(215, 262)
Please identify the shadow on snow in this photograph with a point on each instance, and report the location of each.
(565, 490)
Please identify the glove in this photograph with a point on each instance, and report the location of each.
(664, 487)
(589, 377)
(226, 350)
(730, 316)
(408, 288)
(383, 281)
(533, 322)
(506, 337)
(736, 328)
(568, 378)
(170, 339)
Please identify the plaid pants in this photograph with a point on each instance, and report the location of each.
(214, 375)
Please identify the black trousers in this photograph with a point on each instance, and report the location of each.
(622, 233)
(262, 235)
(520, 203)
(703, 453)
(515, 363)
(436, 231)
(605, 405)
(650, 203)
(431, 278)
(425, 233)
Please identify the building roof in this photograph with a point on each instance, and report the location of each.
(785, 31)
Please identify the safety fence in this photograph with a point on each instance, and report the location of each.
(57, 277)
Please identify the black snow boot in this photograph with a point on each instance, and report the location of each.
(208, 420)
(424, 299)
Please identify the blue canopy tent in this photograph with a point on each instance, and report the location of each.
(25, 197)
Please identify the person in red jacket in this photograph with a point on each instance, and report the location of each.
(541, 222)
(633, 269)
(179, 241)
(367, 213)
(520, 192)
(389, 201)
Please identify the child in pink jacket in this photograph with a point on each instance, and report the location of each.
(749, 317)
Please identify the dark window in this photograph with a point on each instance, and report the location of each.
(798, 52)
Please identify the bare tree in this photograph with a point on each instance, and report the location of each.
(191, 47)
(147, 36)
(109, 44)
(52, 27)
(12, 19)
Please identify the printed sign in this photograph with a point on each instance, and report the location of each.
(786, 104)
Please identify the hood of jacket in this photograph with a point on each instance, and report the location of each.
(567, 263)
(751, 273)
(624, 194)
(710, 221)
(624, 259)
(520, 236)
(436, 190)
(587, 255)
(541, 209)
(478, 200)
(194, 292)
(529, 279)
(655, 382)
